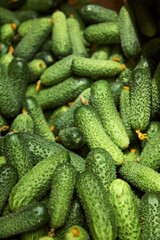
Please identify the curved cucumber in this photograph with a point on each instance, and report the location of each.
(22, 123)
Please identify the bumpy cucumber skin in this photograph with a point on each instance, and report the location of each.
(103, 103)
(88, 121)
(140, 96)
(24, 15)
(103, 33)
(6, 59)
(144, 178)
(91, 193)
(8, 178)
(44, 7)
(76, 37)
(94, 13)
(102, 53)
(36, 234)
(22, 123)
(58, 72)
(62, 93)
(61, 194)
(128, 33)
(56, 114)
(60, 35)
(128, 219)
(150, 211)
(46, 57)
(40, 124)
(7, 16)
(32, 41)
(116, 51)
(81, 233)
(152, 130)
(25, 220)
(156, 94)
(116, 89)
(38, 179)
(95, 68)
(101, 163)
(36, 68)
(7, 33)
(17, 154)
(24, 27)
(150, 154)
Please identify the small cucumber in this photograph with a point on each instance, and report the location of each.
(116, 89)
(36, 234)
(44, 7)
(36, 68)
(152, 130)
(151, 49)
(45, 57)
(25, 26)
(156, 94)
(6, 59)
(4, 47)
(47, 45)
(76, 232)
(7, 32)
(56, 114)
(61, 194)
(24, 15)
(22, 123)
(117, 54)
(7, 16)
(101, 53)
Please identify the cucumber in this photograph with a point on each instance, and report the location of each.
(95, 68)
(88, 121)
(31, 89)
(7, 16)
(33, 40)
(56, 114)
(36, 182)
(150, 205)
(4, 47)
(25, 26)
(43, 7)
(76, 232)
(1, 146)
(116, 54)
(40, 124)
(36, 234)
(91, 193)
(2, 160)
(101, 163)
(155, 94)
(103, 103)
(125, 75)
(22, 123)
(61, 194)
(71, 138)
(116, 89)
(130, 156)
(152, 130)
(11, 4)
(3, 121)
(128, 219)
(151, 49)
(67, 120)
(27, 219)
(46, 57)
(62, 93)
(144, 178)
(6, 59)
(101, 53)
(47, 45)
(94, 13)
(75, 36)
(8, 178)
(128, 33)
(24, 15)
(60, 36)
(58, 72)
(103, 33)
(7, 32)
(140, 96)
(36, 68)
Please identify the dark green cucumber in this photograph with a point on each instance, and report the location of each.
(36, 234)
(61, 194)
(46, 57)
(8, 178)
(17, 154)
(151, 49)
(144, 178)
(91, 193)
(128, 32)
(101, 53)
(44, 7)
(140, 96)
(76, 232)
(7, 32)
(125, 75)
(156, 94)
(103, 33)
(153, 129)
(128, 219)
(94, 13)
(56, 114)
(101, 163)
(34, 38)
(36, 68)
(88, 121)
(25, 26)
(116, 54)
(96, 68)
(62, 93)
(3, 121)
(60, 36)
(47, 45)
(103, 103)
(24, 15)
(27, 219)
(36, 182)
(4, 47)
(150, 213)
(75, 36)
(7, 16)
(116, 89)
(22, 123)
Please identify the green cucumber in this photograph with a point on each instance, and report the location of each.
(116, 54)
(36, 182)
(101, 163)
(116, 89)
(11, 4)
(150, 215)
(46, 57)
(7, 16)
(24, 15)
(60, 36)
(7, 32)
(88, 121)
(128, 33)
(2, 160)
(27, 219)
(144, 178)
(3, 121)
(61, 194)
(101, 53)
(25, 26)
(47, 45)
(71, 138)
(156, 94)
(94, 13)
(130, 156)
(40, 124)
(151, 49)
(125, 75)
(36, 234)
(103, 33)
(22, 123)
(96, 68)
(1, 146)
(76, 232)
(153, 129)
(91, 193)
(140, 96)
(6, 59)
(8, 178)
(56, 114)
(128, 219)
(103, 103)
(4, 47)
(36, 68)
(33, 40)
(44, 7)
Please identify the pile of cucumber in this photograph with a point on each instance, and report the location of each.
(79, 120)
